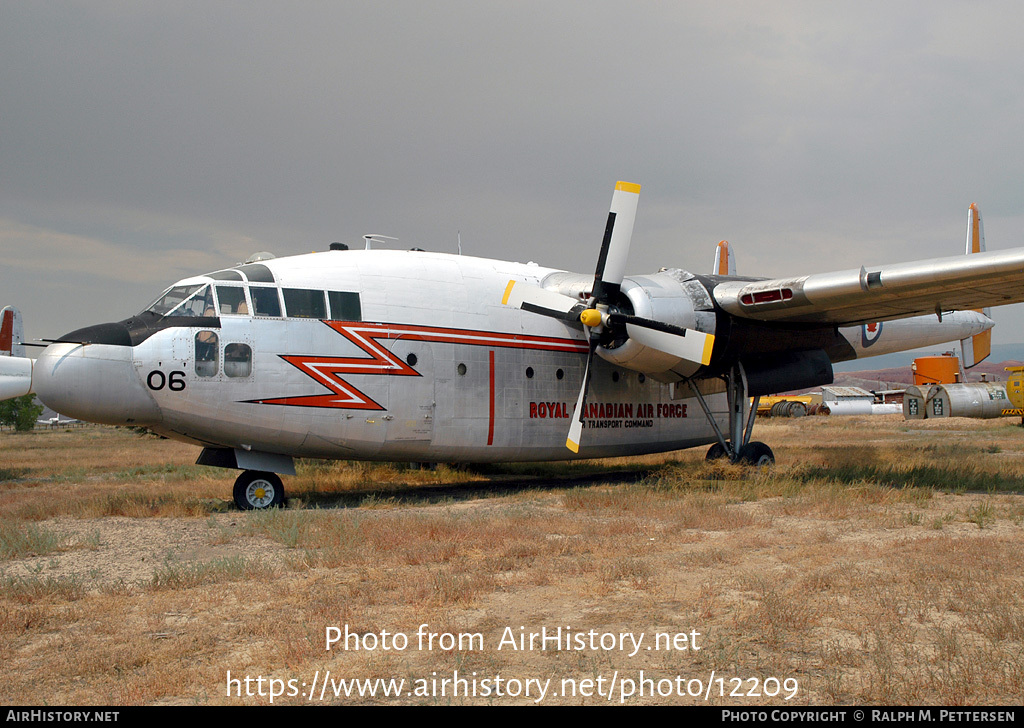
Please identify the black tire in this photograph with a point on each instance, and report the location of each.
(758, 454)
(255, 490)
(716, 452)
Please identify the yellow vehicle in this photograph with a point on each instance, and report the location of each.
(1015, 392)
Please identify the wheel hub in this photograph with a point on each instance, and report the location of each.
(260, 494)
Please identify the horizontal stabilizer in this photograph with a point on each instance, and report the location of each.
(976, 349)
(15, 376)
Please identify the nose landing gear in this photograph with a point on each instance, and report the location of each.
(256, 490)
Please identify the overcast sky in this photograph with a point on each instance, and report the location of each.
(143, 142)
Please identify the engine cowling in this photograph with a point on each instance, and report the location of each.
(670, 296)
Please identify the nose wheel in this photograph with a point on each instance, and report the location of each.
(255, 490)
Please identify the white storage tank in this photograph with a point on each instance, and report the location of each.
(847, 400)
(918, 402)
(984, 400)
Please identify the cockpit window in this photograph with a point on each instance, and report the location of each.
(194, 300)
(199, 303)
(225, 275)
(257, 273)
(232, 300)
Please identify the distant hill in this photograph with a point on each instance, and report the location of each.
(1001, 353)
(902, 377)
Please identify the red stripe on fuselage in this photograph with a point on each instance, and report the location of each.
(490, 408)
(328, 370)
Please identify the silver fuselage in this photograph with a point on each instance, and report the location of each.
(435, 369)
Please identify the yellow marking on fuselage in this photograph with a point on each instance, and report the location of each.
(508, 292)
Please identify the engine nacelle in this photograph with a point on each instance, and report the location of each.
(671, 296)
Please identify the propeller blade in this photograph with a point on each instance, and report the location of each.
(694, 347)
(611, 264)
(576, 428)
(535, 299)
(688, 344)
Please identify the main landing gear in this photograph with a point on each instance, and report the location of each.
(738, 447)
(256, 490)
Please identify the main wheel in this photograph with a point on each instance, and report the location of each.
(255, 490)
(757, 453)
(716, 452)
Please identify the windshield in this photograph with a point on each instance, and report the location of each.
(195, 300)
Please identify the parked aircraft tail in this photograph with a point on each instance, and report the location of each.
(976, 349)
(11, 333)
(15, 368)
(725, 261)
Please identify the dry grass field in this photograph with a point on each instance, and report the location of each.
(878, 562)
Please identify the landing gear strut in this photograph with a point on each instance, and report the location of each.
(738, 447)
(256, 490)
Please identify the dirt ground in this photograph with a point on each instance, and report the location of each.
(127, 581)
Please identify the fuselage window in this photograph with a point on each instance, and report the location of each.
(345, 306)
(206, 353)
(232, 300)
(237, 360)
(300, 303)
(265, 301)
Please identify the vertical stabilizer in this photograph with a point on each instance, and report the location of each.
(12, 335)
(15, 368)
(976, 349)
(725, 261)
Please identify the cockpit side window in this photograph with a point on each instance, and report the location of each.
(232, 300)
(265, 301)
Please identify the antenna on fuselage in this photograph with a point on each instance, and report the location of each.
(460, 242)
(373, 237)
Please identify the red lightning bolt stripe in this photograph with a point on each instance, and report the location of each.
(328, 370)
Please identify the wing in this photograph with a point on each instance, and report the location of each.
(852, 297)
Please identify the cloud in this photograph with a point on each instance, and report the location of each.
(31, 250)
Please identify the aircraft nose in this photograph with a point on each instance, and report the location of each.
(95, 382)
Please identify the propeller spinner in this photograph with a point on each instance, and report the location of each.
(598, 316)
